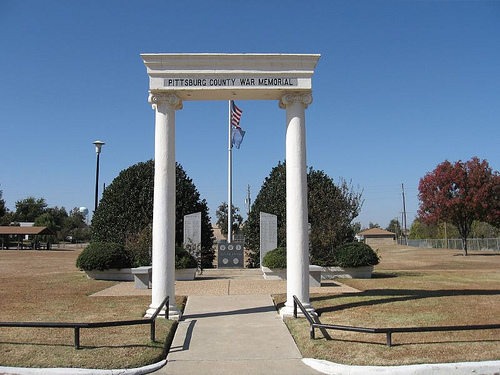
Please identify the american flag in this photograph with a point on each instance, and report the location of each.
(237, 133)
(235, 115)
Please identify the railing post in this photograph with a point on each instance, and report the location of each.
(312, 334)
(389, 338)
(77, 337)
(153, 333)
(294, 307)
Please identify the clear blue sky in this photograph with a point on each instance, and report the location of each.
(400, 87)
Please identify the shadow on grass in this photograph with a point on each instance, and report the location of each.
(396, 295)
(381, 343)
(455, 341)
(82, 347)
(484, 255)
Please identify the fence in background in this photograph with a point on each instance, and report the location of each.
(481, 244)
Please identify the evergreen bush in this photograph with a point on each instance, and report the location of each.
(275, 258)
(139, 247)
(101, 256)
(331, 211)
(126, 208)
(354, 254)
(184, 260)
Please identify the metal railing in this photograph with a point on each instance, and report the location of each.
(388, 331)
(77, 326)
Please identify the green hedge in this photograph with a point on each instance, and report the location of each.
(101, 256)
(354, 254)
(140, 247)
(275, 258)
(184, 260)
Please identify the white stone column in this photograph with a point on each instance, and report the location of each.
(163, 253)
(297, 233)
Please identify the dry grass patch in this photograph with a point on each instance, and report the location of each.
(452, 291)
(45, 286)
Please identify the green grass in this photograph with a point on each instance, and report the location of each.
(452, 291)
(46, 287)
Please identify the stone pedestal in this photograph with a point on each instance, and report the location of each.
(142, 277)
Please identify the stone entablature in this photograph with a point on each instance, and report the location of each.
(230, 76)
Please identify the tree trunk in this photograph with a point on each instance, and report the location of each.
(464, 246)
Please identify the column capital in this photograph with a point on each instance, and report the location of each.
(172, 99)
(293, 97)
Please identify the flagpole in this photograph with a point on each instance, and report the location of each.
(230, 182)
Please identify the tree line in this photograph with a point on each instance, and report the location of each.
(67, 225)
(460, 197)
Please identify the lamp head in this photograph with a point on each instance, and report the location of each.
(98, 145)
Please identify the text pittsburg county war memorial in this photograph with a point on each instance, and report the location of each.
(208, 82)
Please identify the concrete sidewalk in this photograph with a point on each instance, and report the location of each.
(233, 334)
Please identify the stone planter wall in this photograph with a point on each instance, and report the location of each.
(185, 274)
(274, 273)
(123, 274)
(329, 273)
(280, 274)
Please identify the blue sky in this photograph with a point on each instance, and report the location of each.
(400, 87)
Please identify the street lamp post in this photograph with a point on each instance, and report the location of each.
(98, 145)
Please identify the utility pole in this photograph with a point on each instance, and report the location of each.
(404, 213)
(248, 201)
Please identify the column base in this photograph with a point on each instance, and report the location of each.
(287, 311)
(174, 313)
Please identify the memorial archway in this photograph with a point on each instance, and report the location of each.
(174, 78)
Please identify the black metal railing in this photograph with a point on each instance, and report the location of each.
(388, 331)
(77, 326)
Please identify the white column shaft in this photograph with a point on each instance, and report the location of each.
(163, 252)
(297, 232)
(297, 237)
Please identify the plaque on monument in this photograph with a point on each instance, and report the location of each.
(192, 235)
(230, 255)
(192, 228)
(268, 233)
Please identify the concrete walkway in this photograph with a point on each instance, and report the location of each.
(233, 334)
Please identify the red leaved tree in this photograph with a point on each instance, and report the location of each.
(460, 193)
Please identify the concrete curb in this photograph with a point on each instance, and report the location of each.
(81, 371)
(459, 368)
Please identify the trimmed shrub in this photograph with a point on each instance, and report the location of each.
(275, 258)
(101, 256)
(354, 254)
(184, 260)
(126, 208)
(139, 247)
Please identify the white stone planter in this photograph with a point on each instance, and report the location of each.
(274, 273)
(185, 274)
(123, 274)
(329, 273)
(280, 274)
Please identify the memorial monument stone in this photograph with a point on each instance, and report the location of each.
(192, 235)
(268, 234)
